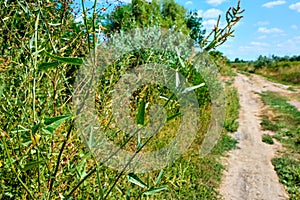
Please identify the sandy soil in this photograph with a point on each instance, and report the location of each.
(250, 174)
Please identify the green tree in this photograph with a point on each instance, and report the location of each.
(167, 14)
(262, 61)
(194, 24)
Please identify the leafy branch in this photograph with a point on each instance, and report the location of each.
(220, 35)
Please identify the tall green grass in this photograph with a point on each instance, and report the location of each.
(42, 156)
(286, 72)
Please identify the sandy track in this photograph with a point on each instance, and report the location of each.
(250, 173)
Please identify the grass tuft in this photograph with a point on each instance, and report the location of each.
(267, 139)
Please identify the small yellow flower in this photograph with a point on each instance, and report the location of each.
(35, 139)
(1, 163)
(105, 121)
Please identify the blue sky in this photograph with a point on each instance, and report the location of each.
(268, 27)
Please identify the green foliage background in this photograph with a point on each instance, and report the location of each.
(42, 157)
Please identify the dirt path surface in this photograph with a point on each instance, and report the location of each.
(250, 174)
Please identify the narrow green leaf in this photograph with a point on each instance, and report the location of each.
(53, 123)
(23, 129)
(159, 177)
(164, 97)
(23, 7)
(173, 116)
(139, 144)
(1, 90)
(140, 117)
(27, 143)
(50, 131)
(35, 128)
(154, 190)
(136, 180)
(128, 195)
(37, 52)
(32, 164)
(193, 88)
(48, 121)
(69, 60)
(31, 42)
(57, 24)
(45, 66)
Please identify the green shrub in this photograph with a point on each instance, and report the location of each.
(232, 110)
(267, 139)
(288, 170)
(266, 124)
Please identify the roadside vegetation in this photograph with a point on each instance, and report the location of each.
(285, 122)
(42, 155)
(284, 70)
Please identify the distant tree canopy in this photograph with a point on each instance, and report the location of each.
(166, 13)
(262, 61)
(170, 15)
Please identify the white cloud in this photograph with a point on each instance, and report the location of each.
(273, 3)
(244, 48)
(295, 27)
(200, 13)
(270, 30)
(211, 13)
(215, 2)
(262, 37)
(290, 44)
(188, 3)
(260, 44)
(254, 48)
(126, 1)
(79, 19)
(262, 23)
(295, 6)
(209, 24)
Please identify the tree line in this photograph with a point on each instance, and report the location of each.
(270, 59)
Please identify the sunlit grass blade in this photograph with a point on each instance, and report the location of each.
(45, 66)
(140, 117)
(32, 164)
(174, 116)
(154, 190)
(68, 60)
(53, 123)
(159, 177)
(136, 180)
(193, 88)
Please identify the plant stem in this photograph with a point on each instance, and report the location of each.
(59, 157)
(95, 168)
(15, 171)
(35, 64)
(34, 88)
(85, 24)
(94, 24)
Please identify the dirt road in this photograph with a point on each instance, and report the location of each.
(250, 174)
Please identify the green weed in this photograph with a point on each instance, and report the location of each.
(267, 139)
(266, 124)
(232, 112)
(288, 170)
(43, 156)
(287, 130)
